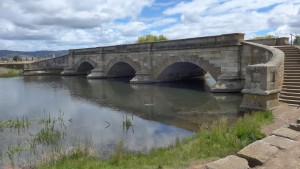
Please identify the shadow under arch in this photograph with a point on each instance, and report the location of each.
(120, 69)
(85, 68)
(180, 71)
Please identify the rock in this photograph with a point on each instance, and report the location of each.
(286, 132)
(280, 142)
(298, 120)
(295, 126)
(258, 153)
(229, 162)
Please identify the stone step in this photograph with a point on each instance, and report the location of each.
(294, 126)
(291, 70)
(286, 93)
(290, 97)
(291, 59)
(289, 50)
(291, 64)
(291, 77)
(291, 74)
(290, 101)
(292, 67)
(292, 80)
(290, 90)
(291, 54)
(291, 83)
(290, 87)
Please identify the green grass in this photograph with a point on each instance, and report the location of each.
(219, 140)
(10, 73)
(15, 123)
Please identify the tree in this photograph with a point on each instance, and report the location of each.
(17, 58)
(296, 40)
(263, 37)
(150, 38)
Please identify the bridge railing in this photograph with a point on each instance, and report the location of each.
(263, 79)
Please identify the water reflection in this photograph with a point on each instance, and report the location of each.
(162, 112)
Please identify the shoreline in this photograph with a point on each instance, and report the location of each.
(7, 72)
(284, 115)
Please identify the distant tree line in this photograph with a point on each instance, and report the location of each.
(296, 40)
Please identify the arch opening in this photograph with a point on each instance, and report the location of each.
(121, 69)
(181, 71)
(85, 68)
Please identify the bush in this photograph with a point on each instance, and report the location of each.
(151, 38)
(263, 37)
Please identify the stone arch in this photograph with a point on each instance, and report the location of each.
(85, 59)
(85, 65)
(122, 59)
(213, 70)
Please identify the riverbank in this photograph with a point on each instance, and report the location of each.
(287, 157)
(5, 72)
(219, 140)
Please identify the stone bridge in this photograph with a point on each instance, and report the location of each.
(236, 65)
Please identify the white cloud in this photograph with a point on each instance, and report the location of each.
(64, 24)
(213, 17)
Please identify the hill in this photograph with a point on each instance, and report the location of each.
(11, 54)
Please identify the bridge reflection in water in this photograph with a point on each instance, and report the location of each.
(184, 104)
(161, 113)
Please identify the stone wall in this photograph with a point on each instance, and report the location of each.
(271, 41)
(47, 66)
(263, 76)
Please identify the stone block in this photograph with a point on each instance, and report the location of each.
(286, 132)
(229, 162)
(280, 142)
(295, 126)
(258, 153)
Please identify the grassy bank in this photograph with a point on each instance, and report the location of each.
(5, 72)
(216, 141)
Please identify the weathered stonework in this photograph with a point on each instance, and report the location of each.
(258, 153)
(286, 133)
(229, 162)
(234, 64)
(264, 79)
(279, 142)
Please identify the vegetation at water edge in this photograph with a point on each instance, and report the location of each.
(5, 72)
(219, 140)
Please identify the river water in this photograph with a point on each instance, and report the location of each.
(96, 109)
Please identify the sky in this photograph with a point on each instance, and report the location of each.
(31, 25)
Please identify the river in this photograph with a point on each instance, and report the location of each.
(95, 110)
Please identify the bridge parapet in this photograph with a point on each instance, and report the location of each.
(264, 79)
(179, 44)
(47, 66)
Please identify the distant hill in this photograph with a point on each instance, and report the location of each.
(11, 54)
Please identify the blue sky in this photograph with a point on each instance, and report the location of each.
(67, 24)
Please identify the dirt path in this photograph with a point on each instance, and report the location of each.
(285, 159)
